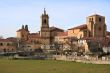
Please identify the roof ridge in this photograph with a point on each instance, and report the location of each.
(79, 27)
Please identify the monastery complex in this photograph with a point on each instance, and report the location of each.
(91, 37)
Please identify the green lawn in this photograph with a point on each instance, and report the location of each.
(49, 66)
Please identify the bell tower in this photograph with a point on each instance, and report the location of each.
(44, 31)
(96, 25)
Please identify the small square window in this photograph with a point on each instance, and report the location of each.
(1, 44)
(22, 35)
(8, 44)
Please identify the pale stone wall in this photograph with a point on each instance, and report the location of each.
(18, 34)
(83, 59)
(73, 32)
(23, 35)
(77, 33)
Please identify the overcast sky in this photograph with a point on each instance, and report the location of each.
(64, 14)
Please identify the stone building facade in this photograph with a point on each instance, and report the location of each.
(8, 45)
(94, 33)
(95, 27)
(36, 40)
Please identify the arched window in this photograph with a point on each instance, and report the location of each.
(12, 50)
(92, 19)
(45, 21)
(99, 19)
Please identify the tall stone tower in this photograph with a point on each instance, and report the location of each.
(45, 32)
(96, 26)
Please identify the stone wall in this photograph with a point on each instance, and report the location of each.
(83, 59)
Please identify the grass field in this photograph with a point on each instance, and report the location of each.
(49, 66)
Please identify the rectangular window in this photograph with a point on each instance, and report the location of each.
(8, 44)
(1, 44)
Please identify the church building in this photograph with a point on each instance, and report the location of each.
(44, 37)
(95, 27)
(91, 36)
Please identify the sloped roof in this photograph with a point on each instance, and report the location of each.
(95, 15)
(84, 26)
(21, 30)
(8, 40)
(55, 28)
(34, 35)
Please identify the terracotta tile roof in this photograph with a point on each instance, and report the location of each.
(12, 39)
(84, 26)
(55, 28)
(62, 33)
(34, 35)
(8, 40)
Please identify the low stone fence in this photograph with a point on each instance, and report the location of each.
(83, 59)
